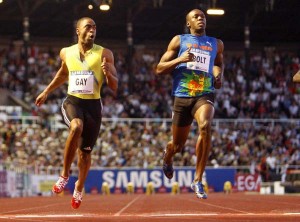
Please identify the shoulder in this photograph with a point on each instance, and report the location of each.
(102, 49)
(175, 42)
(176, 38)
(68, 49)
(107, 53)
(219, 41)
(220, 45)
(97, 47)
(63, 52)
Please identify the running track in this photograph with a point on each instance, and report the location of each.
(156, 207)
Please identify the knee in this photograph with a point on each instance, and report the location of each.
(76, 127)
(177, 147)
(204, 127)
(85, 157)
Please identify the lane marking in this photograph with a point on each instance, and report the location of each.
(149, 215)
(128, 205)
(216, 206)
(181, 215)
(291, 213)
(59, 203)
(224, 215)
(34, 208)
(48, 216)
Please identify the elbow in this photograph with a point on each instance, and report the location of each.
(158, 71)
(115, 87)
(114, 90)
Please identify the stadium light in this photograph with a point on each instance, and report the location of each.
(104, 6)
(215, 11)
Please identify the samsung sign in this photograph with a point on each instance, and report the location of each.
(119, 178)
(140, 178)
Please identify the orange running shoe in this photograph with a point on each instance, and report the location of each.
(76, 199)
(59, 186)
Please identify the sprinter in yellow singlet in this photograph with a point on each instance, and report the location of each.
(85, 66)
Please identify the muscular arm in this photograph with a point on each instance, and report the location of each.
(169, 60)
(109, 69)
(296, 77)
(218, 68)
(60, 78)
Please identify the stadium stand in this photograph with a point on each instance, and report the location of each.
(257, 112)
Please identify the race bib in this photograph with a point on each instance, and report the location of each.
(201, 62)
(81, 82)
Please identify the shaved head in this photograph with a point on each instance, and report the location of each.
(81, 20)
(187, 17)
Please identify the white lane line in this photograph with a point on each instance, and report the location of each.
(291, 214)
(59, 203)
(222, 215)
(33, 208)
(148, 215)
(48, 216)
(217, 206)
(128, 205)
(180, 215)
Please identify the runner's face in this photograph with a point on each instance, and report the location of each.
(197, 20)
(87, 31)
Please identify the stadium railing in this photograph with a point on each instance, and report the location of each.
(56, 121)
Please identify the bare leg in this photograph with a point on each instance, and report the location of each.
(174, 146)
(204, 116)
(84, 163)
(72, 143)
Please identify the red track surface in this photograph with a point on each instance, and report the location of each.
(156, 207)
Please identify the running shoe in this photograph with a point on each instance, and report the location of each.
(199, 190)
(76, 199)
(59, 186)
(167, 168)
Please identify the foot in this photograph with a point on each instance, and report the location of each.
(76, 199)
(198, 187)
(59, 186)
(167, 168)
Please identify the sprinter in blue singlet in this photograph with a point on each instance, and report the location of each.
(195, 62)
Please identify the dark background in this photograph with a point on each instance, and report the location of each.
(55, 18)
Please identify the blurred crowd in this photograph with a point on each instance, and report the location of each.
(263, 91)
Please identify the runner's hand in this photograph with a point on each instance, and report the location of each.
(105, 66)
(187, 56)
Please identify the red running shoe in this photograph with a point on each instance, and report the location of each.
(76, 199)
(59, 186)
